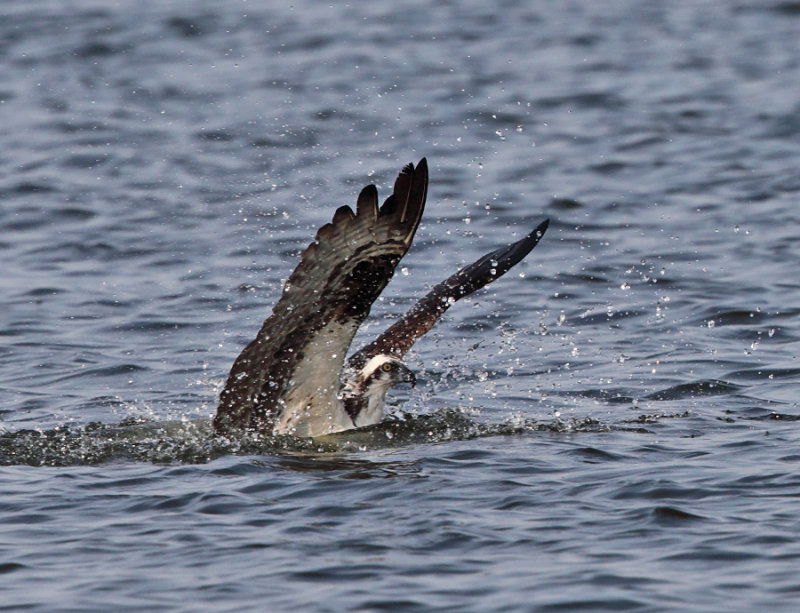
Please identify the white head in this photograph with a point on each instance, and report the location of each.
(385, 370)
(377, 376)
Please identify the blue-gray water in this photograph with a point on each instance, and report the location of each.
(613, 426)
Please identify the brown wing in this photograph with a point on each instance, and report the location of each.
(423, 315)
(324, 301)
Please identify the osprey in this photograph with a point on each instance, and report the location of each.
(293, 377)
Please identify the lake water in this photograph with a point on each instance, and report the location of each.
(613, 426)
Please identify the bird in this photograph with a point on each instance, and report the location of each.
(294, 378)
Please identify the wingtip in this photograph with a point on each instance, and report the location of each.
(517, 251)
(541, 228)
(342, 215)
(504, 259)
(418, 193)
(409, 195)
(367, 203)
(410, 168)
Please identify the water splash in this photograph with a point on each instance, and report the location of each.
(194, 441)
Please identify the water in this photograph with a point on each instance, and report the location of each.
(612, 426)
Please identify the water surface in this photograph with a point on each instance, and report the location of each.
(613, 426)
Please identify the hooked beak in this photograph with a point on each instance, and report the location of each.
(409, 377)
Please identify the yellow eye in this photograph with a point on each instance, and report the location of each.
(387, 367)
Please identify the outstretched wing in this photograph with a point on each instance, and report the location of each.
(423, 315)
(299, 351)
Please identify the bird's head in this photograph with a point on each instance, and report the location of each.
(364, 393)
(384, 371)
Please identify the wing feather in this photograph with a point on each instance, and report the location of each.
(323, 303)
(400, 337)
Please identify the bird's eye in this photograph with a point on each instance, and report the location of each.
(387, 367)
